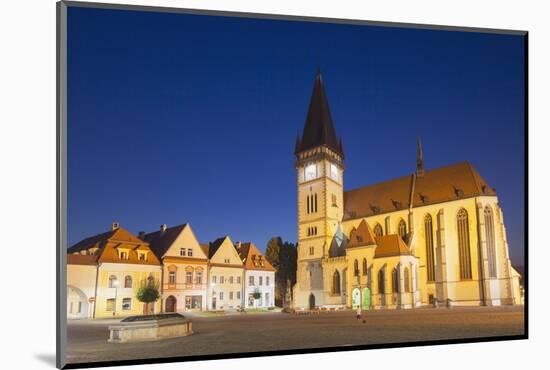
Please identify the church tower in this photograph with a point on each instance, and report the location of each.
(319, 169)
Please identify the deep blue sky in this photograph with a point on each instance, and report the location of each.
(180, 118)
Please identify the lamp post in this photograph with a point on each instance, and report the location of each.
(115, 285)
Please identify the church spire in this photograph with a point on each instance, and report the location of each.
(318, 129)
(419, 159)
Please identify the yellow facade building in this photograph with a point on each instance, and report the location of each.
(430, 237)
(185, 268)
(104, 273)
(226, 275)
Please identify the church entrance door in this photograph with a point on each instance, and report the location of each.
(366, 299)
(355, 299)
(311, 301)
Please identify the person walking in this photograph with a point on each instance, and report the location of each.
(359, 313)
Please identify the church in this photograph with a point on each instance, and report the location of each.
(432, 237)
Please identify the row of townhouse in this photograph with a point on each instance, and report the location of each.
(105, 271)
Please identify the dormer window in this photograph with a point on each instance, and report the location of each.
(189, 252)
(142, 256)
(182, 252)
(123, 255)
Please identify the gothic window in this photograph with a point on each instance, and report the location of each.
(464, 244)
(490, 241)
(315, 204)
(381, 283)
(378, 230)
(402, 229)
(428, 230)
(395, 280)
(128, 281)
(365, 269)
(406, 280)
(336, 282)
(355, 268)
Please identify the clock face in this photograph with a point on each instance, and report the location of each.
(334, 172)
(310, 172)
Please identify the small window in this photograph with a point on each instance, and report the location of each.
(365, 268)
(260, 280)
(79, 307)
(238, 295)
(189, 252)
(355, 268)
(172, 278)
(267, 280)
(230, 295)
(238, 279)
(198, 277)
(126, 304)
(128, 281)
(214, 279)
(251, 280)
(182, 252)
(334, 203)
(142, 256)
(221, 296)
(378, 230)
(231, 280)
(222, 279)
(113, 281)
(110, 306)
(123, 255)
(189, 277)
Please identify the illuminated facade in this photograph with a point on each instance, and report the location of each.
(431, 237)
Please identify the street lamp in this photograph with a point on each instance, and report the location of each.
(115, 285)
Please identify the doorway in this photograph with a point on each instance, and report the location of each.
(171, 304)
(311, 301)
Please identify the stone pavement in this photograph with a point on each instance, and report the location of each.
(87, 339)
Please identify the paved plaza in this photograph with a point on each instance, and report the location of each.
(87, 339)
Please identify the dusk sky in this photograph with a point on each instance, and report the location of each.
(178, 118)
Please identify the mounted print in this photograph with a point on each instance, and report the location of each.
(237, 185)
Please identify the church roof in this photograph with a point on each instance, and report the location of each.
(252, 258)
(318, 129)
(361, 236)
(390, 246)
(443, 184)
(160, 241)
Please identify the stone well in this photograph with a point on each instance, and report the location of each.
(150, 327)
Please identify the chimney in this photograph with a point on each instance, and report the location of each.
(141, 235)
(163, 228)
(115, 226)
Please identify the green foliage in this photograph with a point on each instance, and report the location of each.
(148, 291)
(283, 257)
(256, 294)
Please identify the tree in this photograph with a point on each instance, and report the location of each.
(148, 293)
(283, 256)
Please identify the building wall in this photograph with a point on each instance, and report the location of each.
(226, 295)
(81, 281)
(138, 273)
(265, 288)
(181, 265)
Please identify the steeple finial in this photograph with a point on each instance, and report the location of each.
(419, 158)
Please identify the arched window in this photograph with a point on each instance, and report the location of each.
(113, 281)
(378, 231)
(406, 280)
(336, 282)
(365, 268)
(464, 244)
(395, 280)
(381, 283)
(308, 207)
(402, 229)
(315, 207)
(355, 268)
(428, 230)
(490, 241)
(128, 281)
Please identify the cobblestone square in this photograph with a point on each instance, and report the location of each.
(239, 333)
